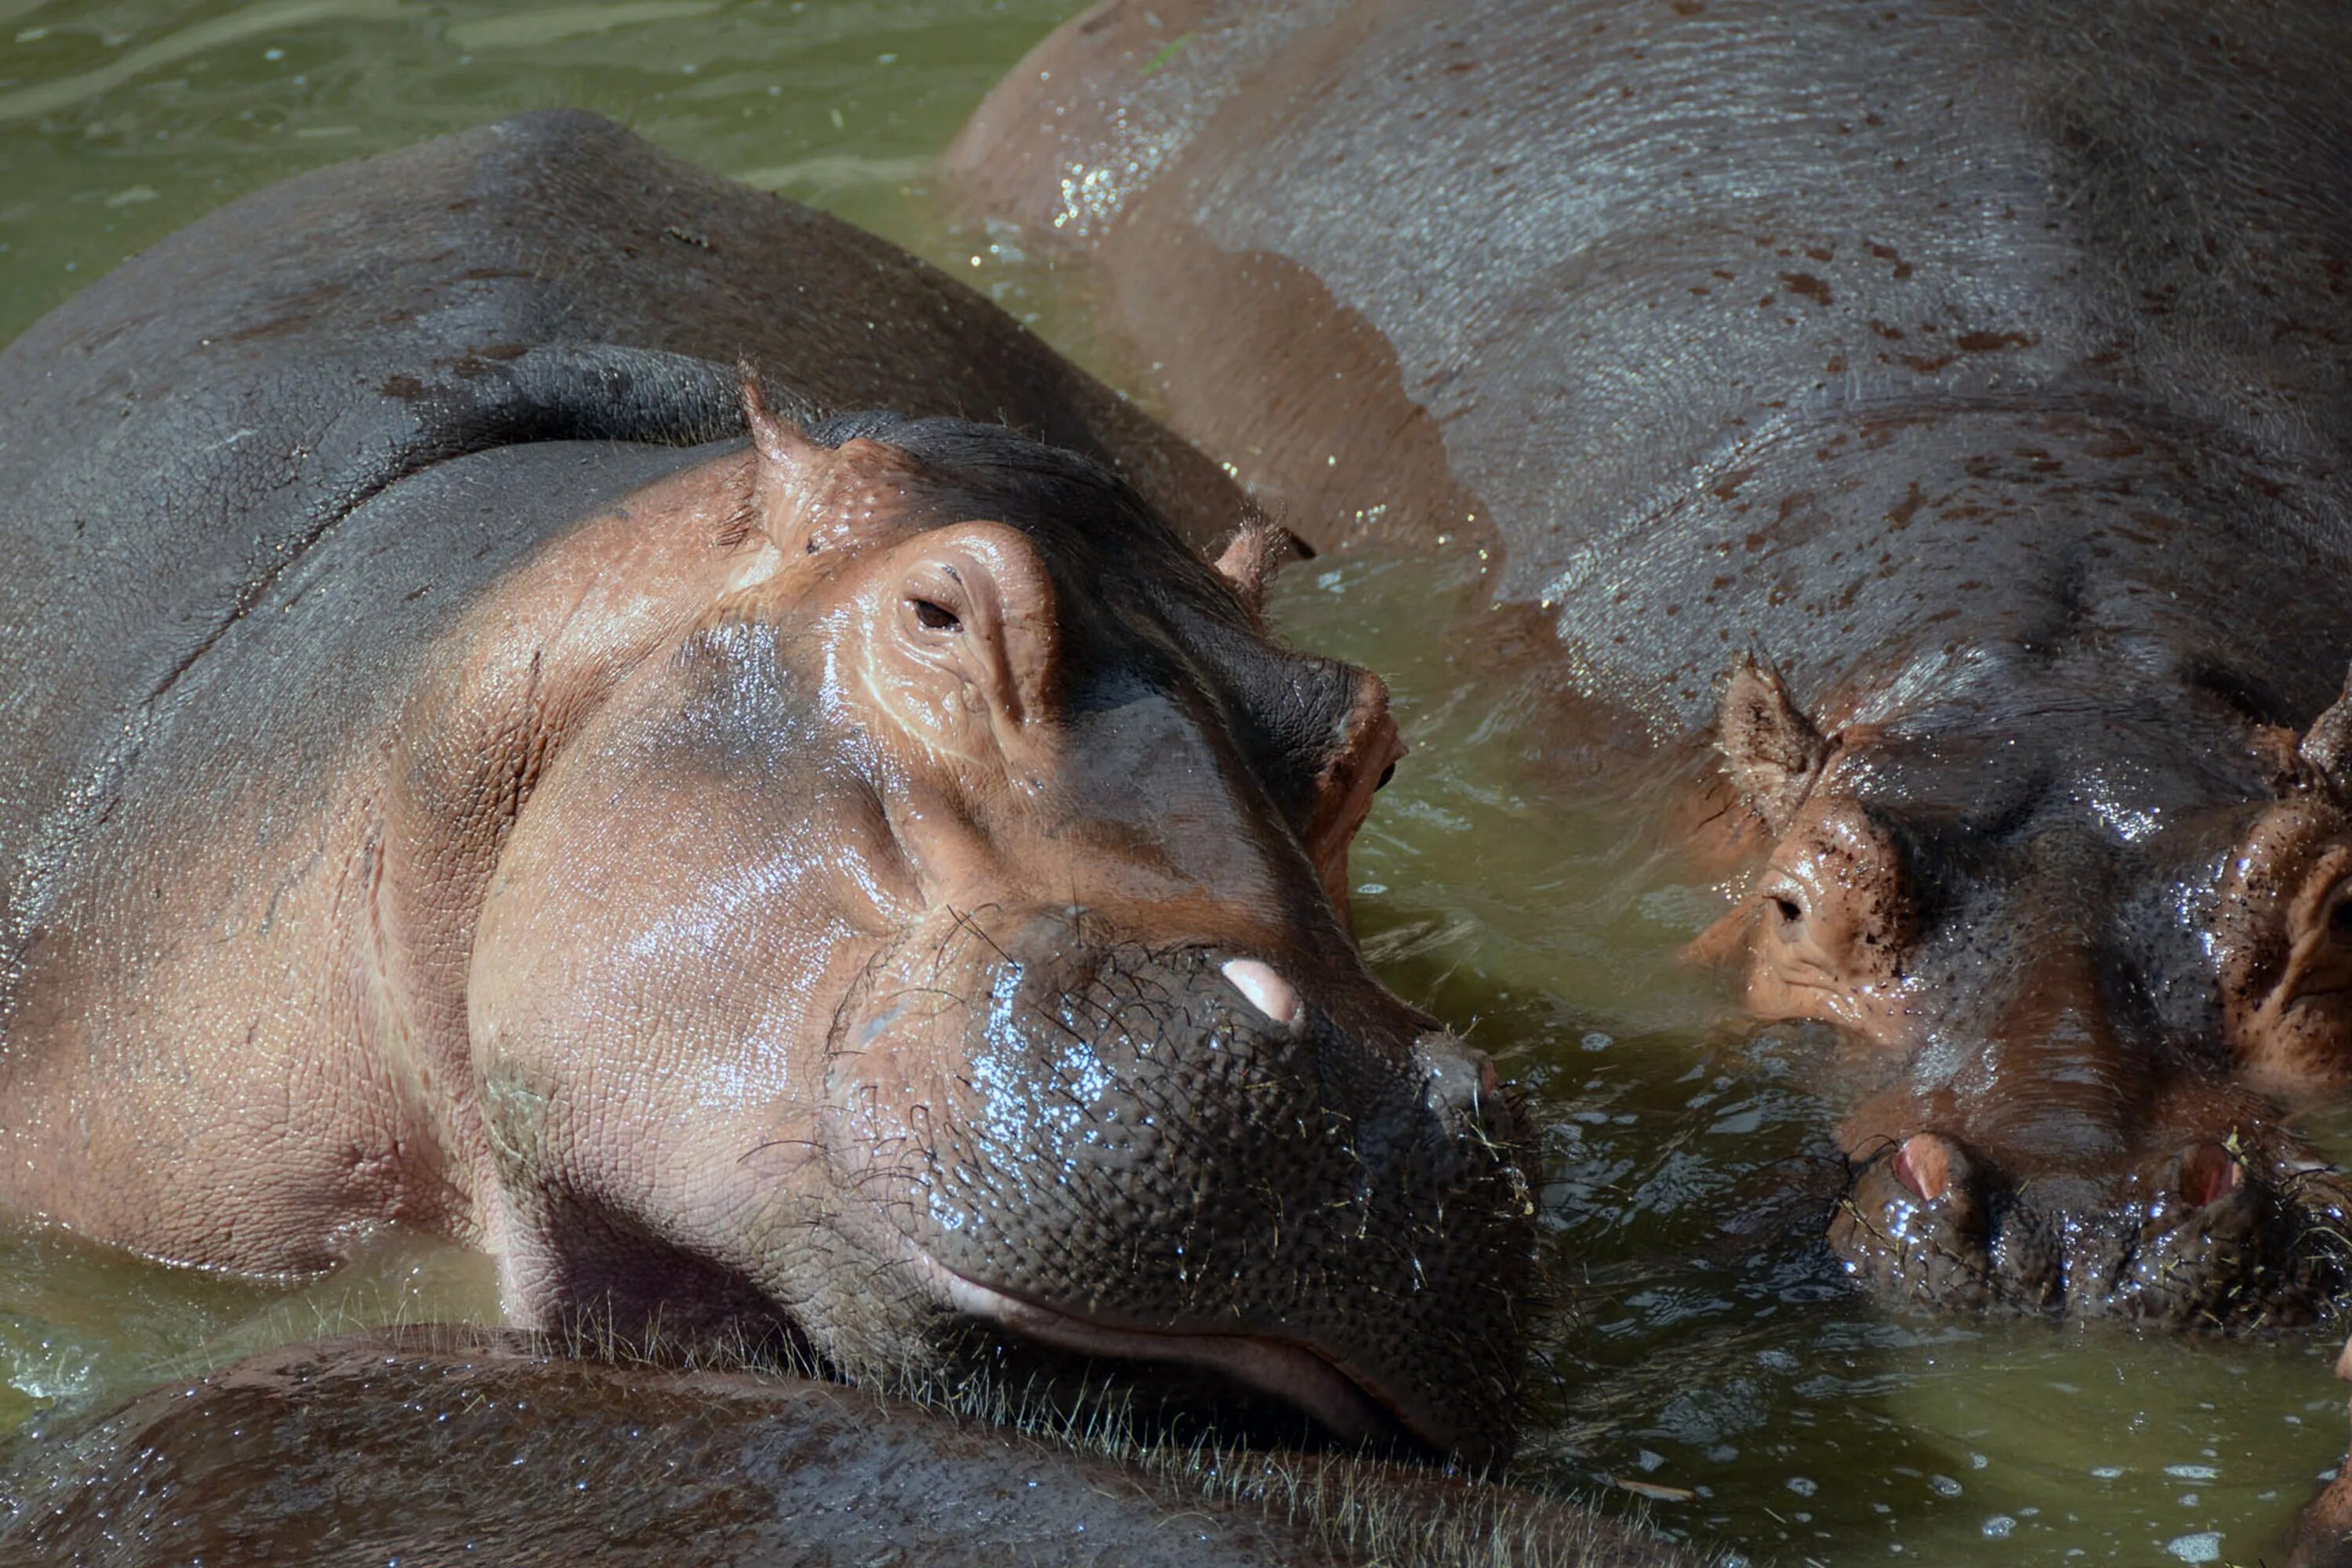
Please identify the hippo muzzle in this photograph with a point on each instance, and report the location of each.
(1175, 1154)
(2194, 1239)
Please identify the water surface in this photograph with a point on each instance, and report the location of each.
(1701, 1348)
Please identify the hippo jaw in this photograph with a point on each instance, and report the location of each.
(2092, 971)
(1295, 1374)
(1185, 1157)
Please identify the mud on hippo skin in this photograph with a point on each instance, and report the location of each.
(853, 884)
(1976, 368)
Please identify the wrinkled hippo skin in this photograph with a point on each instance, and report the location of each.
(844, 885)
(1971, 380)
(427, 1446)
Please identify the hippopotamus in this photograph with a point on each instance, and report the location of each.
(439, 1445)
(507, 739)
(1925, 426)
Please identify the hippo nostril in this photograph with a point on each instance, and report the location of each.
(1925, 1164)
(1267, 990)
(2208, 1173)
(1461, 1086)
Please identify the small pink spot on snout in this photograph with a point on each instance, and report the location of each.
(2208, 1173)
(1267, 991)
(1923, 1164)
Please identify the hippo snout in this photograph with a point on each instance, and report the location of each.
(1268, 1168)
(2209, 1235)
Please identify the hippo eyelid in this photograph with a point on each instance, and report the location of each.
(936, 616)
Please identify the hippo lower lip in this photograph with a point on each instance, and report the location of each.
(1300, 1377)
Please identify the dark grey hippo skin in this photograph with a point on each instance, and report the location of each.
(1980, 365)
(442, 1445)
(177, 438)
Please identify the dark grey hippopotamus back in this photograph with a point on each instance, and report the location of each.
(1982, 367)
(174, 439)
(1566, 278)
(445, 1444)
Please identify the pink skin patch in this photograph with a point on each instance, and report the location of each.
(2207, 1174)
(1291, 1372)
(1923, 1164)
(1267, 991)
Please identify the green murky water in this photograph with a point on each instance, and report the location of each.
(1716, 1363)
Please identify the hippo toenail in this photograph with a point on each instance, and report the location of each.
(1267, 991)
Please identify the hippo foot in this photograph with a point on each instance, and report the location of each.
(2197, 1239)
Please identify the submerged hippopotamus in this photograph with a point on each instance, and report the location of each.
(850, 883)
(1970, 381)
(438, 1446)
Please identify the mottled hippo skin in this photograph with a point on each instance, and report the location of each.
(440, 1447)
(857, 882)
(1979, 369)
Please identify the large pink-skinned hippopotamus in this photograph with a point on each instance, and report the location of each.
(481, 759)
(1968, 381)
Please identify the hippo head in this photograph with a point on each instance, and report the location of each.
(950, 930)
(2097, 944)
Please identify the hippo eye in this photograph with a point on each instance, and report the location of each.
(1789, 910)
(2339, 921)
(938, 617)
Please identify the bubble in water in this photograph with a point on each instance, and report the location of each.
(2205, 1546)
(1944, 1486)
(1596, 1041)
(1803, 1486)
(2192, 1472)
(1999, 1526)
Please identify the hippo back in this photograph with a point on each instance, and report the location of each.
(1578, 284)
(176, 437)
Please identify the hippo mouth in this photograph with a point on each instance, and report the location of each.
(2201, 1240)
(1301, 1378)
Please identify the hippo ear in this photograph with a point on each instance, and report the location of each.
(788, 462)
(2327, 746)
(778, 441)
(1247, 562)
(1251, 557)
(1772, 752)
